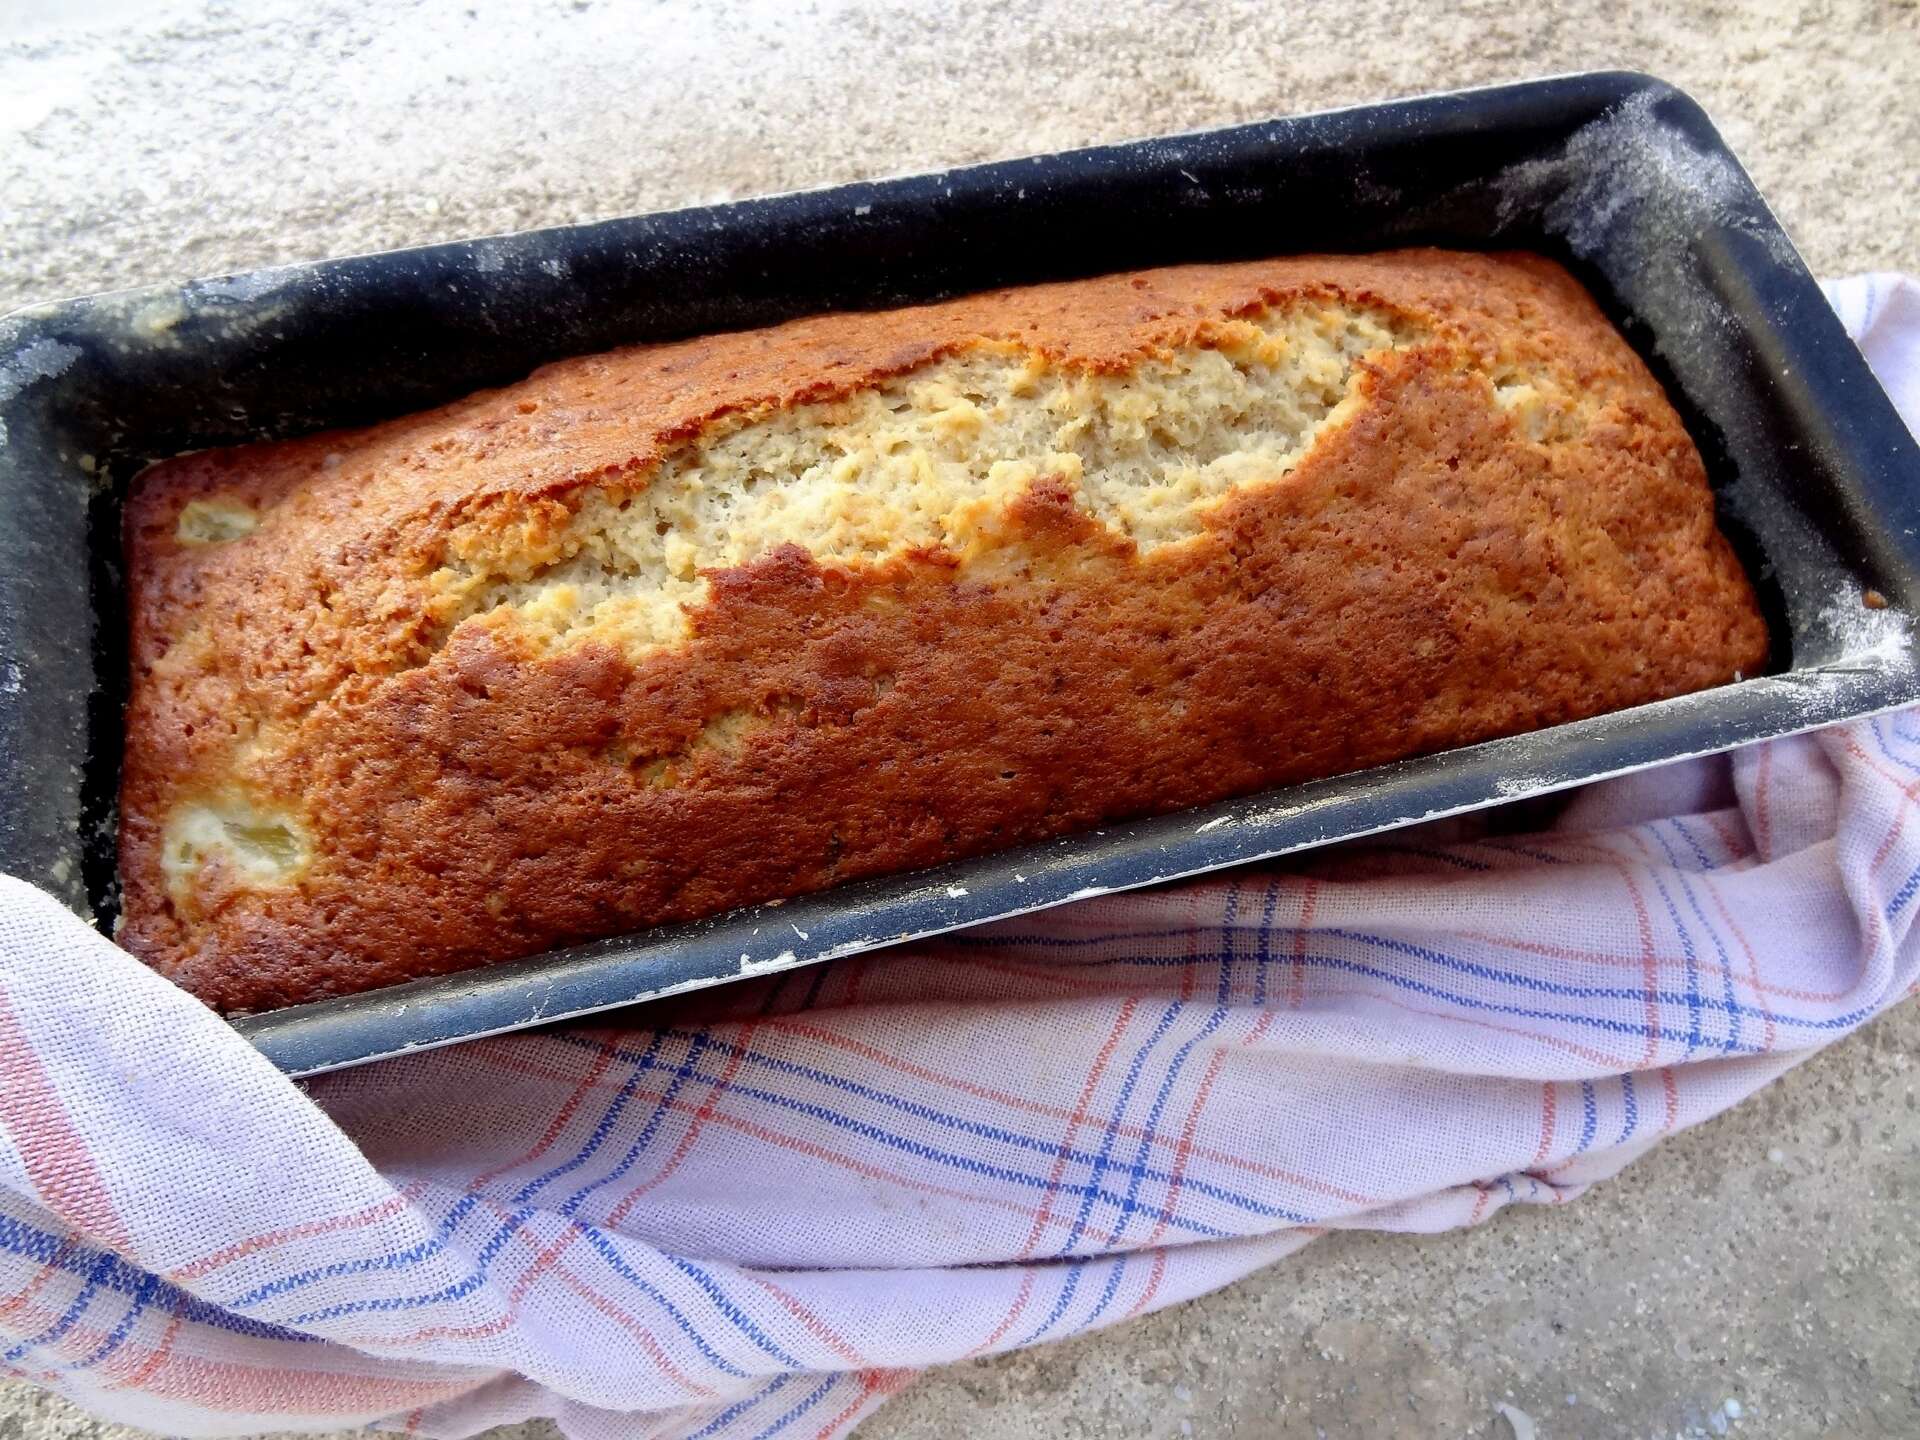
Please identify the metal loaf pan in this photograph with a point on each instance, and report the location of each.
(1618, 175)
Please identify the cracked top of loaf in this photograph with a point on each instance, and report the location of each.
(659, 632)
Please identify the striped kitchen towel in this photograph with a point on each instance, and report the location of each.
(759, 1212)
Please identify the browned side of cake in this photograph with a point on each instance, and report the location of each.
(668, 630)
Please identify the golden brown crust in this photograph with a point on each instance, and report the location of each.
(1429, 575)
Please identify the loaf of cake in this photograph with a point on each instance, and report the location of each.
(659, 632)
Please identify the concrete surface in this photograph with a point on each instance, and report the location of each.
(158, 140)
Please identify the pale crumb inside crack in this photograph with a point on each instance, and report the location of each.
(260, 847)
(210, 521)
(933, 459)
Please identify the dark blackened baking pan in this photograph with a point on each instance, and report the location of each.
(1617, 175)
